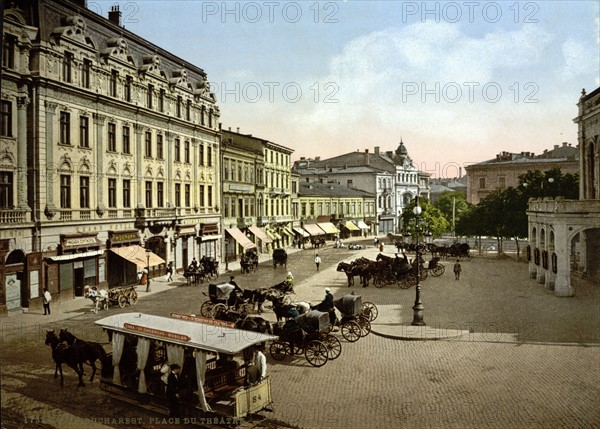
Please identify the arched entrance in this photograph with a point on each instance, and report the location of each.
(16, 281)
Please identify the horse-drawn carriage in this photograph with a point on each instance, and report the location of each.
(307, 334)
(249, 262)
(143, 345)
(435, 267)
(102, 298)
(223, 297)
(354, 323)
(279, 258)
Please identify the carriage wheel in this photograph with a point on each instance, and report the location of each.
(316, 353)
(351, 331)
(278, 350)
(334, 347)
(365, 325)
(218, 309)
(378, 282)
(206, 309)
(405, 283)
(133, 297)
(246, 308)
(411, 281)
(370, 311)
(122, 300)
(437, 271)
(423, 273)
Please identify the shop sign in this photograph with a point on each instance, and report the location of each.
(126, 236)
(156, 332)
(198, 319)
(209, 228)
(83, 241)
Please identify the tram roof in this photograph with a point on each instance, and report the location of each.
(188, 333)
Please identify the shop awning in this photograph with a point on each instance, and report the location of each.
(259, 233)
(328, 227)
(287, 231)
(71, 256)
(362, 225)
(241, 238)
(137, 255)
(301, 232)
(313, 229)
(274, 236)
(351, 227)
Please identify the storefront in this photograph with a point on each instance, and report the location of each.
(262, 241)
(207, 240)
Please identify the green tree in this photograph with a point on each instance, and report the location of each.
(445, 203)
(431, 219)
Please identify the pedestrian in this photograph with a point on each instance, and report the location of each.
(261, 363)
(47, 298)
(234, 283)
(170, 272)
(317, 261)
(457, 270)
(326, 306)
(290, 279)
(375, 241)
(173, 390)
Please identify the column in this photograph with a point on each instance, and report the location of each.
(100, 119)
(139, 156)
(562, 283)
(50, 209)
(169, 149)
(195, 202)
(22, 192)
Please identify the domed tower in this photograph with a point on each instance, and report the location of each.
(401, 153)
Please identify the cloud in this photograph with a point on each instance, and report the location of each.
(579, 59)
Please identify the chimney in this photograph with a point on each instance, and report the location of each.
(556, 146)
(229, 128)
(376, 150)
(238, 130)
(317, 158)
(114, 15)
(564, 144)
(459, 171)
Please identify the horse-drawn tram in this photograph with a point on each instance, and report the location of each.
(217, 378)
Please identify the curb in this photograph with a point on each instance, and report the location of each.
(396, 331)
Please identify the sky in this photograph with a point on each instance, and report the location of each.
(457, 82)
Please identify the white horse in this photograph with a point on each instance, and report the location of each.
(99, 297)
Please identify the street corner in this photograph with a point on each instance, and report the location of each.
(409, 332)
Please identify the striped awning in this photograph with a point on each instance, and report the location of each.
(260, 234)
(351, 227)
(287, 231)
(362, 225)
(241, 238)
(138, 255)
(301, 232)
(274, 236)
(328, 227)
(313, 229)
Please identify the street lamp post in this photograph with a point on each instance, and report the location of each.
(418, 307)
(148, 251)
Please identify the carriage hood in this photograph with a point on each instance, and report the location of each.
(349, 305)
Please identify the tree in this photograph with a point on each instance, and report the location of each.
(431, 219)
(449, 199)
(551, 183)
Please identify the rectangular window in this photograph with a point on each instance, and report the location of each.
(126, 141)
(112, 193)
(148, 144)
(127, 88)
(502, 182)
(67, 67)
(209, 197)
(126, 193)
(150, 96)
(201, 195)
(177, 194)
(226, 170)
(177, 150)
(84, 192)
(6, 119)
(188, 201)
(226, 207)
(186, 152)
(85, 73)
(160, 194)
(188, 110)
(8, 51)
(209, 156)
(6, 190)
(178, 107)
(65, 128)
(114, 79)
(159, 146)
(84, 131)
(112, 137)
(65, 191)
(482, 183)
(201, 154)
(148, 194)
(161, 100)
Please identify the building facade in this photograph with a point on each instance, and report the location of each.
(564, 235)
(485, 177)
(110, 147)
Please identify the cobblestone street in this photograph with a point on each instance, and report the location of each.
(530, 359)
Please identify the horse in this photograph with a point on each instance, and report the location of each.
(98, 297)
(258, 297)
(91, 351)
(281, 306)
(348, 270)
(69, 355)
(283, 287)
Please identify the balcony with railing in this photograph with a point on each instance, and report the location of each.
(13, 216)
(244, 222)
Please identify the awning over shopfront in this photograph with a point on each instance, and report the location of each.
(351, 226)
(241, 238)
(137, 255)
(328, 227)
(301, 232)
(362, 225)
(313, 229)
(274, 236)
(71, 256)
(287, 231)
(259, 233)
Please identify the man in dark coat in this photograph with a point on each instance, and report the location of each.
(173, 391)
(326, 306)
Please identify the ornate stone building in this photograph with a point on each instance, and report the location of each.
(110, 147)
(564, 235)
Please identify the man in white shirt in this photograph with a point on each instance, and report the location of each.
(260, 361)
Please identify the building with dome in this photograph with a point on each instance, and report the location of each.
(391, 176)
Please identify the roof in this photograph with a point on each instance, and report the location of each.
(317, 189)
(188, 333)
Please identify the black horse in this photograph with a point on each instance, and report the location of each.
(73, 357)
(90, 350)
(350, 271)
